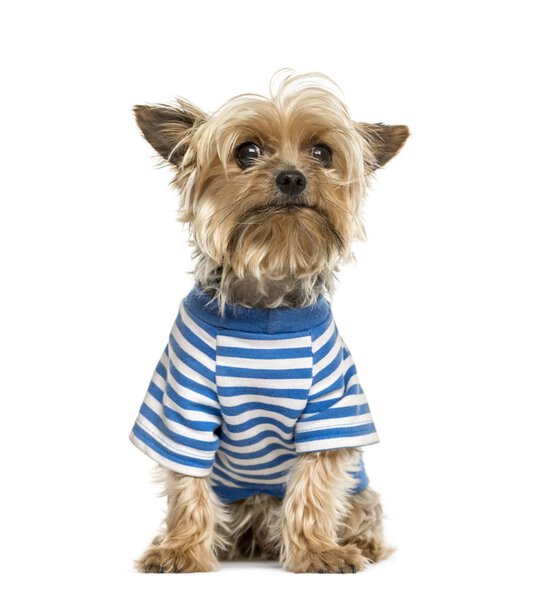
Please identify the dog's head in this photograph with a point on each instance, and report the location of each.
(272, 187)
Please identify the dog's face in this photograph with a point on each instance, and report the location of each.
(272, 187)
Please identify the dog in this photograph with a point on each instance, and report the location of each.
(255, 414)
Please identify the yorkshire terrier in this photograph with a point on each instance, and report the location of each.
(255, 414)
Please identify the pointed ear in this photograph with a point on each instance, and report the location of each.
(385, 141)
(169, 128)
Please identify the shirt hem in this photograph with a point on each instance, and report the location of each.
(228, 494)
(357, 443)
(165, 462)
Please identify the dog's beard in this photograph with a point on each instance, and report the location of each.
(278, 242)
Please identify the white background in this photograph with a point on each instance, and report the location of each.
(442, 312)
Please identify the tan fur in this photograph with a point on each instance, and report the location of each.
(254, 529)
(194, 528)
(363, 525)
(318, 527)
(252, 249)
(315, 504)
(238, 231)
(257, 525)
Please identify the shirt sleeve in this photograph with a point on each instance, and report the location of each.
(179, 418)
(337, 414)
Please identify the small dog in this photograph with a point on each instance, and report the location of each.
(255, 414)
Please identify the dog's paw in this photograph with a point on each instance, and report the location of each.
(374, 551)
(168, 558)
(342, 559)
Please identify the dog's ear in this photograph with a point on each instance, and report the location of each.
(385, 141)
(169, 128)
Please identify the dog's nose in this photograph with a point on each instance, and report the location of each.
(291, 182)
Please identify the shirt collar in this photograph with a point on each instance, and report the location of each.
(242, 318)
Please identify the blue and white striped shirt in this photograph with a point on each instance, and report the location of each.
(237, 397)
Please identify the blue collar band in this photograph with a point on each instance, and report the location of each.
(241, 318)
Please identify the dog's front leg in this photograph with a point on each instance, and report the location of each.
(193, 526)
(314, 505)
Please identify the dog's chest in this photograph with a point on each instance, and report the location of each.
(262, 379)
(263, 384)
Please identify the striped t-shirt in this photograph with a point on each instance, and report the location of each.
(236, 397)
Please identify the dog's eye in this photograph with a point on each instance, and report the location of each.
(247, 153)
(323, 154)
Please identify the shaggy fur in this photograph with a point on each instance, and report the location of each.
(195, 527)
(255, 247)
(315, 505)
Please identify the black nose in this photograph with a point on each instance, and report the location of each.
(291, 182)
